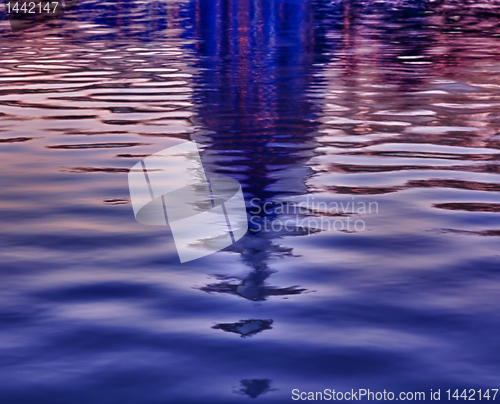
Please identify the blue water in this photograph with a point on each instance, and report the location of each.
(390, 104)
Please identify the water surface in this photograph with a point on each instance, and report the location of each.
(394, 105)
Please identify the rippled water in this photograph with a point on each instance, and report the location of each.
(390, 104)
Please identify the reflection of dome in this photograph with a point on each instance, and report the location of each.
(255, 387)
(245, 327)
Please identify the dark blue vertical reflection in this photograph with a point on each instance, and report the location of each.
(256, 60)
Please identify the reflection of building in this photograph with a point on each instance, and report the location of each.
(255, 61)
(256, 65)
